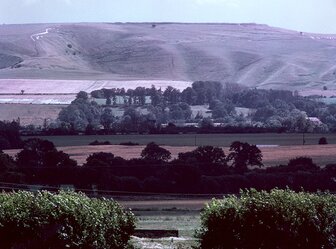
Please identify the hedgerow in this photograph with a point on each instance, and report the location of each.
(65, 220)
(279, 219)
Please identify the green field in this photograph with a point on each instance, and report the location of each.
(223, 140)
(166, 213)
(185, 221)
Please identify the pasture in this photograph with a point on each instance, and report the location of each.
(221, 140)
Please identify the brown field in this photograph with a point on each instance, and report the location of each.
(321, 154)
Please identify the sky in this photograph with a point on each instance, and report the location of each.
(316, 16)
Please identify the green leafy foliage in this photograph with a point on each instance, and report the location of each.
(156, 153)
(64, 220)
(279, 219)
(243, 155)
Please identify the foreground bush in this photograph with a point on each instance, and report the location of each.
(64, 220)
(280, 219)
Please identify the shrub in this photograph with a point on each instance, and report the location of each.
(280, 219)
(323, 140)
(64, 220)
(302, 164)
(154, 152)
(96, 142)
(129, 143)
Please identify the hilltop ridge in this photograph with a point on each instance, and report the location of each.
(253, 55)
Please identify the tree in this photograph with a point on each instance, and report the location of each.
(6, 162)
(82, 95)
(156, 153)
(243, 155)
(108, 101)
(100, 159)
(302, 164)
(10, 135)
(206, 123)
(81, 112)
(210, 155)
(39, 153)
(189, 96)
(107, 118)
(323, 140)
(156, 96)
(171, 95)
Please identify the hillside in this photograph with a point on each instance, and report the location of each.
(249, 54)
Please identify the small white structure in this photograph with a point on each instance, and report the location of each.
(314, 120)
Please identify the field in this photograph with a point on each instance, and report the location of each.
(170, 213)
(221, 140)
(30, 114)
(59, 87)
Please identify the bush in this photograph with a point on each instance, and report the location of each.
(302, 164)
(64, 220)
(323, 140)
(154, 152)
(280, 219)
(129, 143)
(96, 142)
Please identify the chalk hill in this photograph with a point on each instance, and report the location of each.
(249, 54)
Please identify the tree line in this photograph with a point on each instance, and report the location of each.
(206, 169)
(268, 110)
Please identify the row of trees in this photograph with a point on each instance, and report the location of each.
(204, 170)
(268, 110)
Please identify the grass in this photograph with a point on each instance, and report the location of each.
(180, 214)
(223, 140)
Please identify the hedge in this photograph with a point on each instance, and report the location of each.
(279, 219)
(64, 220)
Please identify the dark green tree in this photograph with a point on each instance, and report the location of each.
(243, 155)
(211, 155)
(38, 153)
(107, 118)
(156, 153)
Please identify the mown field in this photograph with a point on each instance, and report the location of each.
(222, 140)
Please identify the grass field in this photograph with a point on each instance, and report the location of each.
(180, 214)
(222, 140)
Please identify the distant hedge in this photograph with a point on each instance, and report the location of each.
(279, 219)
(64, 220)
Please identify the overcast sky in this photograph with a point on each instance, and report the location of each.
(317, 16)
